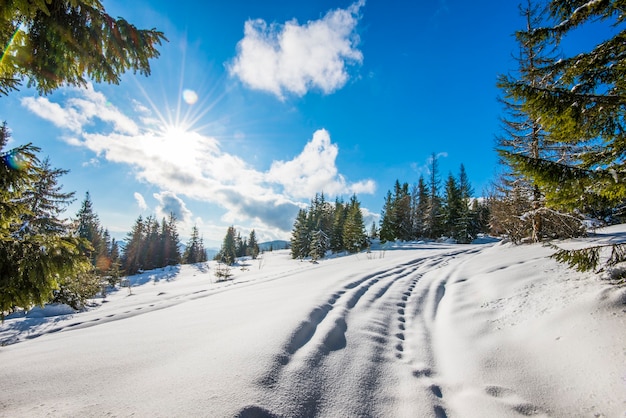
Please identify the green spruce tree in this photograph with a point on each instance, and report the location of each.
(35, 252)
(253, 245)
(300, 236)
(354, 236)
(228, 252)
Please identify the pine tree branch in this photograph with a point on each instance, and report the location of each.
(587, 259)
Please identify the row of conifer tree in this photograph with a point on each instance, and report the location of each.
(234, 246)
(150, 244)
(422, 212)
(325, 226)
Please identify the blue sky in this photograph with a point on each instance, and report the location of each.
(253, 107)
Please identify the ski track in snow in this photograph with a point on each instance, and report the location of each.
(396, 312)
(22, 331)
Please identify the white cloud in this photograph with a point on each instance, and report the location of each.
(141, 202)
(314, 170)
(187, 163)
(93, 162)
(81, 111)
(293, 58)
(170, 203)
(66, 118)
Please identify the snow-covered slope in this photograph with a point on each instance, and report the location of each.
(416, 330)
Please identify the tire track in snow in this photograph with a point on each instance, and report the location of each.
(424, 302)
(333, 336)
(304, 358)
(319, 371)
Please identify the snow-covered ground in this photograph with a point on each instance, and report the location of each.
(417, 330)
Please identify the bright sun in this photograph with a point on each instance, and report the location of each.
(175, 130)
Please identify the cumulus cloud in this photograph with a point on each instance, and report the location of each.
(170, 203)
(293, 58)
(80, 111)
(194, 165)
(314, 170)
(66, 118)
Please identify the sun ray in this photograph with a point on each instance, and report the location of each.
(191, 105)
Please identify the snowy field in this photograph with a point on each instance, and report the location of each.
(417, 330)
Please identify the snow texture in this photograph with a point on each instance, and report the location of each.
(413, 330)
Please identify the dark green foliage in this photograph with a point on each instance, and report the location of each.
(134, 254)
(46, 202)
(590, 258)
(580, 104)
(36, 250)
(150, 245)
(195, 251)
(34, 266)
(549, 178)
(52, 43)
(339, 219)
(419, 207)
(300, 236)
(228, 252)
(253, 245)
(373, 234)
(103, 251)
(324, 227)
(422, 214)
(87, 226)
(18, 173)
(354, 236)
(575, 110)
(170, 241)
(433, 217)
(234, 246)
(74, 290)
(387, 227)
(319, 244)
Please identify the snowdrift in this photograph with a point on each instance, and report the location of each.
(420, 329)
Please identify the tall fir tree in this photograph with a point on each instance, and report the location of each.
(451, 207)
(387, 227)
(523, 132)
(88, 227)
(433, 216)
(133, 259)
(253, 245)
(170, 241)
(196, 253)
(300, 236)
(354, 236)
(339, 220)
(466, 225)
(581, 107)
(33, 257)
(402, 212)
(420, 210)
(228, 252)
(320, 243)
(46, 201)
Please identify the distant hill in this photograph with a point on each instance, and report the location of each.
(274, 245)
